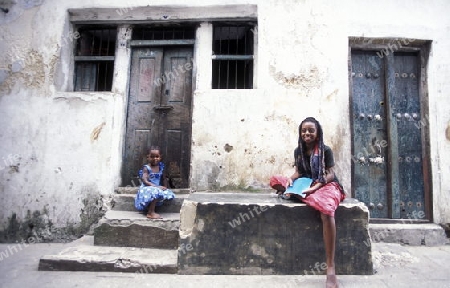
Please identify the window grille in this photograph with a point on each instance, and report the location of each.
(94, 59)
(232, 56)
(164, 33)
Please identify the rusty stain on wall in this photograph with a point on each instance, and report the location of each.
(447, 131)
(96, 132)
(332, 95)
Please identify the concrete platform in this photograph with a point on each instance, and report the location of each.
(125, 202)
(256, 234)
(132, 229)
(84, 256)
(133, 190)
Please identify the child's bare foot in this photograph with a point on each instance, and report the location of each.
(332, 281)
(153, 215)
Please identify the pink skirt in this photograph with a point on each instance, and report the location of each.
(326, 199)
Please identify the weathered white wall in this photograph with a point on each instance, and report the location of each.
(303, 71)
(60, 150)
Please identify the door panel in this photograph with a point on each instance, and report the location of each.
(406, 109)
(159, 112)
(369, 132)
(148, 68)
(176, 121)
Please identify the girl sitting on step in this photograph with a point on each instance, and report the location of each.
(153, 190)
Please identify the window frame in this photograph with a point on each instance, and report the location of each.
(239, 58)
(96, 60)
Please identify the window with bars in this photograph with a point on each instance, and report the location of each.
(94, 58)
(232, 56)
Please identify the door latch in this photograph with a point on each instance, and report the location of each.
(376, 160)
(163, 108)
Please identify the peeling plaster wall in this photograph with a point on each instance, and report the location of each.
(61, 149)
(60, 152)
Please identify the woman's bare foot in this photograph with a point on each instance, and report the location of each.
(153, 215)
(332, 281)
(280, 188)
(292, 196)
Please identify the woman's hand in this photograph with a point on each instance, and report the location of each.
(308, 191)
(294, 176)
(289, 182)
(312, 189)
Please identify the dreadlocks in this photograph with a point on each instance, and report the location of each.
(317, 158)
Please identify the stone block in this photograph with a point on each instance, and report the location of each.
(247, 233)
(133, 229)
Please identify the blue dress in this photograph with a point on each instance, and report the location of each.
(147, 194)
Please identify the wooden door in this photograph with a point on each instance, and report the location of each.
(387, 141)
(159, 112)
(369, 132)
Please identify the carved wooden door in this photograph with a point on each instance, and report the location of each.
(387, 138)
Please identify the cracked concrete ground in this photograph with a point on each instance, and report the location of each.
(395, 266)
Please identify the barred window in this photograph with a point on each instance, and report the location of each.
(94, 58)
(233, 56)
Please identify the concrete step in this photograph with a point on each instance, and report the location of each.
(426, 234)
(84, 256)
(133, 190)
(125, 202)
(133, 229)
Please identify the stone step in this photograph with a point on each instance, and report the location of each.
(125, 202)
(133, 190)
(426, 234)
(84, 256)
(133, 229)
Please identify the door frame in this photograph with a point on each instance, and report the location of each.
(391, 46)
(137, 44)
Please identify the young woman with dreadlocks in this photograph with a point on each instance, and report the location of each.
(315, 160)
